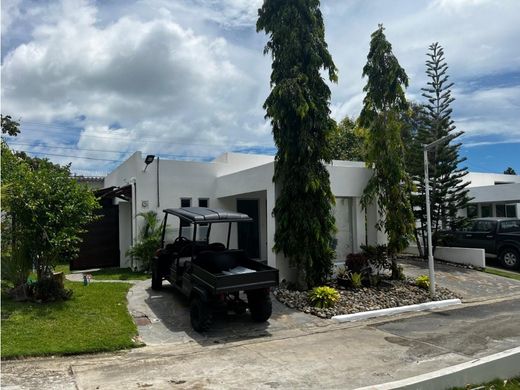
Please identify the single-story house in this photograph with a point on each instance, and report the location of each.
(494, 195)
(243, 182)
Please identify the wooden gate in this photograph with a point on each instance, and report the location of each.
(100, 246)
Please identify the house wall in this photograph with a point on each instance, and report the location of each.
(230, 177)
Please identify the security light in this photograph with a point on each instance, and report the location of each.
(148, 160)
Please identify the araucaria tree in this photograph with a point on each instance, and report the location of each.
(382, 116)
(448, 192)
(298, 107)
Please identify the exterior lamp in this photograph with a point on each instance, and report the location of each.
(426, 148)
(148, 160)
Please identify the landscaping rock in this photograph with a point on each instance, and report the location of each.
(394, 294)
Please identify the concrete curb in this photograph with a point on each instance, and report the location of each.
(502, 365)
(396, 310)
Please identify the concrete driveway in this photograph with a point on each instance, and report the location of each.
(163, 317)
(472, 285)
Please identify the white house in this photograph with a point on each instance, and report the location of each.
(243, 182)
(494, 195)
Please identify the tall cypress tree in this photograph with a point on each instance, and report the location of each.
(448, 192)
(382, 115)
(298, 107)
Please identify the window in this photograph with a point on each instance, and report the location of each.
(511, 211)
(185, 202)
(202, 231)
(500, 210)
(484, 226)
(510, 226)
(472, 211)
(486, 211)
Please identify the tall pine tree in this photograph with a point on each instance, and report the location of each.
(383, 109)
(448, 192)
(298, 107)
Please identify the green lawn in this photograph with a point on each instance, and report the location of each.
(501, 272)
(497, 384)
(95, 319)
(119, 274)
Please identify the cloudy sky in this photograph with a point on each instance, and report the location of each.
(94, 81)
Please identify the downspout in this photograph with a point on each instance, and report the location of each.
(132, 182)
(158, 199)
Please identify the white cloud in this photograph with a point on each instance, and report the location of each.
(188, 77)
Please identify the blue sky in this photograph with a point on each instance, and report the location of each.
(94, 81)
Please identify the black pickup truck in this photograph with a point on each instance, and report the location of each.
(208, 273)
(497, 236)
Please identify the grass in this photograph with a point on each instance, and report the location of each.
(501, 272)
(95, 319)
(118, 274)
(497, 384)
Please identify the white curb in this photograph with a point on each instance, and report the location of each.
(395, 310)
(501, 365)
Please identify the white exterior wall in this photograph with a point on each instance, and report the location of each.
(230, 177)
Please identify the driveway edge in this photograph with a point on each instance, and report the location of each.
(502, 365)
(396, 310)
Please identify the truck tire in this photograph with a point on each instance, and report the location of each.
(200, 315)
(156, 277)
(260, 305)
(510, 258)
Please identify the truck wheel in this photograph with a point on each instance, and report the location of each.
(156, 277)
(260, 305)
(510, 258)
(200, 315)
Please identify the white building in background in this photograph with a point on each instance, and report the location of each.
(243, 182)
(494, 195)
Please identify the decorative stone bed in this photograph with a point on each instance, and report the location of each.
(389, 294)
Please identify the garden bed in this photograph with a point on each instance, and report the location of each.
(354, 300)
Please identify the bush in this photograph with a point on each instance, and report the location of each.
(149, 239)
(423, 281)
(323, 297)
(377, 256)
(357, 262)
(356, 279)
(48, 290)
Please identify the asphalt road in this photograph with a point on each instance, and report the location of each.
(344, 356)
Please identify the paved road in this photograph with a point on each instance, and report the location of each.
(342, 356)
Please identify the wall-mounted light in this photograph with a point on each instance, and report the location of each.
(148, 160)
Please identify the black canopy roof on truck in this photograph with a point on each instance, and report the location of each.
(205, 215)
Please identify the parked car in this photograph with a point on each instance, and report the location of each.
(208, 273)
(497, 236)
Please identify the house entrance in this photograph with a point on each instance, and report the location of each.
(248, 233)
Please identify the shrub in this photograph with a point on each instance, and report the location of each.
(149, 239)
(357, 262)
(323, 297)
(357, 279)
(377, 256)
(423, 281)
(49, 289)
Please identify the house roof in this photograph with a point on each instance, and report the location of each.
(204, 215)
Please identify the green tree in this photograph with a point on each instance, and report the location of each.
(149, 239)
(382, 116)
(448, 192)
(347, 141)
(47, 211)
(509, 171)
(9, 126)
(298, 107)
